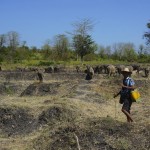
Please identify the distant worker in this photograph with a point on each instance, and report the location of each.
(89, 73)
(40, 76)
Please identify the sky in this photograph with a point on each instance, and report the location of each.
(115, 21)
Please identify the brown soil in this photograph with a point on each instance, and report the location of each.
(52, 114)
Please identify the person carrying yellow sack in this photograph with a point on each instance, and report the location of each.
(127, 86)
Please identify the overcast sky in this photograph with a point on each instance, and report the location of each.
(38, 20)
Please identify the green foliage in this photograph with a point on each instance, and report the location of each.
(144, 59)
(45, 63)
(83, 45)
(125, 52)
(91, 57)
(104, 52)
(61, 46)
(147, 34)
(84, 50)
(31, 62)
(130, 55)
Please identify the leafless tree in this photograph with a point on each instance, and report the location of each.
(2, 40)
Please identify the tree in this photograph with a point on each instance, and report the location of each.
(2, 47)
(118, 51)
(124, 51)
(13, 39)
(147, 34)
(141, 51)
(13, 43)
(47, 50)
(61, 46)
(104, 52)
(84, 45)
(2, 40)
(82, 41)
(22, 53)
(129, 53)
(83, 27)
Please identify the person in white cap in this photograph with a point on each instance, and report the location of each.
(127, 85)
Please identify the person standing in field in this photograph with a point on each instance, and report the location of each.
(89, 72)
(40, 76)
(127, 85)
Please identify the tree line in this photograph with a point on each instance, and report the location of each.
(80, 46)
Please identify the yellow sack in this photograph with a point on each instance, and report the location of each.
(135, 95)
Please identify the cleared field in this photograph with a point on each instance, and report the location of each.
(67, 112)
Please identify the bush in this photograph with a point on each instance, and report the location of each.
(43, 63)
(90, 57)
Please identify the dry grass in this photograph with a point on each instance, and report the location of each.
(81, 111)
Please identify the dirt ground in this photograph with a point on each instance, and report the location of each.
(68, 112)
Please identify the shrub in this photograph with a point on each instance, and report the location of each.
(48, 63)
